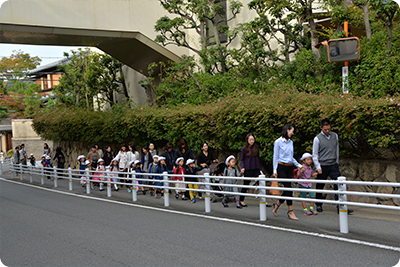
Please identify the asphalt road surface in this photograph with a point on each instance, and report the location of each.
(45, 228)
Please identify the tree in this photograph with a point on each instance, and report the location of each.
(90, 77)
(202, 17)
(273, 25)
(386, 11)
(17, 65)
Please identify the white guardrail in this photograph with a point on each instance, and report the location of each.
(73, 174)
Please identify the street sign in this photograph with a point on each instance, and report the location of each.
(345, 80)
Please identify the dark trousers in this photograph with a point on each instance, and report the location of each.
(248, 173)
(286, 172)
(331, 171)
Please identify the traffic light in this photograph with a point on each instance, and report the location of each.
(340, 50)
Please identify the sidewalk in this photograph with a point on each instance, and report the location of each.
(366, 224)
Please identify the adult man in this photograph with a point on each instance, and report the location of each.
(22, 153)
(326, 158)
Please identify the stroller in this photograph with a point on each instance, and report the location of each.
(217, 171)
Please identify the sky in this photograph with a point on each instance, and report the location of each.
(46, 53)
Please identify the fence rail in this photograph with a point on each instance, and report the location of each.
(54, 173)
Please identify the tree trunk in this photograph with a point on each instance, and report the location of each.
(287, 58)
(218, 42)
(365, 10)
(203, 35)
(314, 35)
(123, 82)
(390, 38)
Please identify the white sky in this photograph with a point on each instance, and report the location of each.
(46, 53)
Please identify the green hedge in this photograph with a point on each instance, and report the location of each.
(224, 123)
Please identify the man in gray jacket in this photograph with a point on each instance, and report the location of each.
(326, 158)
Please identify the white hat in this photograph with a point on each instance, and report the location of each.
(179, 159)
(306, 155)
(48, 157)
(43, 156)
(136, 162)
(87, 162)
(189, 161)
(229, 158)
(100, 160)
(155, 156)
(114, 159)
(130, 163)
(107, 167)
(81, 157)
(161, 158)
(31, 154)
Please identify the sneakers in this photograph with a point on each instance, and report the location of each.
(129, 190)
(177, 196)
(225, 205)
(183, 198)
(307, 212)
(194, 200)
(313, 211)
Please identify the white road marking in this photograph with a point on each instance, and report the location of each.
(337, 238)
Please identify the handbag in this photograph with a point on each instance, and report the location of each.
(274, 191)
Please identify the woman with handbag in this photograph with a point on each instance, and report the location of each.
(283, 163)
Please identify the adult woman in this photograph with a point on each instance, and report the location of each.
(60, 158)
(152, 150)
(99, 150)
(46, 149)
(132, 153)
(108, 156)
(169, 155)
(146, 159)
(205, 159)
(183, 151)
(283, 162)
(249, 162)
(122, 157)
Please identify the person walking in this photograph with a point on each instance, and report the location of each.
(326, 158)
(108, 156)
(46, 149)
(169, 155)
(283, 162)
(59, 156)
(249, 162)
(183, 151)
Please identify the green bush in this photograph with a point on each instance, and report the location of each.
(225, 122)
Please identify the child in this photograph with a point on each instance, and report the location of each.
(114, 173)
(131, 168)
(152, 169)
(231, 171)
(32, 160)
(44, 164)
(80, 165)
(83, 178)
(306, 172)
(161, 168)
(179, 170)
(191, 170)
(100, 176)
(138, 169)
(48, 163)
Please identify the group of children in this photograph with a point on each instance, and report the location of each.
(159, 166)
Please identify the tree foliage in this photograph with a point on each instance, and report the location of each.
(207, 19)
(17, 65)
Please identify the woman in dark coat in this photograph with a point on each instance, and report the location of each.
(183, 151)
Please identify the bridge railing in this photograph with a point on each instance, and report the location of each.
(146, 180)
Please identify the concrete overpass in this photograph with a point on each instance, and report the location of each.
(116, 27)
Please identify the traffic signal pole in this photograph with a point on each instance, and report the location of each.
(345, 69)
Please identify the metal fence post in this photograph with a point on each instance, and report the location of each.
(55, 176)
(166, 190)
(263, 201)
(20, 169)
(30, 174)
(13, 171)
(343, 218)
(42, 172)
(87, 181)
(1, 167)
(108, 183)
(207, 200)
(70, 179)
(134, 191)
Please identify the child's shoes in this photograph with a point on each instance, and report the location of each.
(307, 212)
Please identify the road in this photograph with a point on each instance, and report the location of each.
(47, 228)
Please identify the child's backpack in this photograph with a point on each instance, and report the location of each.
(237, 173)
